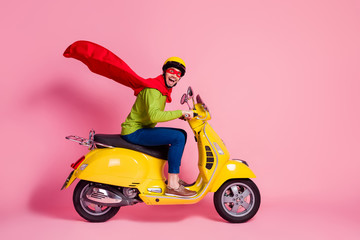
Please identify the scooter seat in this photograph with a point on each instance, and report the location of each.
(115, 140)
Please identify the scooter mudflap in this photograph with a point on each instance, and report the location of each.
(67, 179)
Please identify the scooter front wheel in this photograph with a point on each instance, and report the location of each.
(237, 200)
(90, 211)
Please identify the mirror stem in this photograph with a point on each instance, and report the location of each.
(187, 102)
(193, 101)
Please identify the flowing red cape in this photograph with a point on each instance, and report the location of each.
(101, 61)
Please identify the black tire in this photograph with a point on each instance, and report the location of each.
(88, 211)
(237, 200)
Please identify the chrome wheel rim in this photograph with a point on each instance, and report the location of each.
(238, 199)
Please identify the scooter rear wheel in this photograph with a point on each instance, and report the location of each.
(89, 211)
(237, 200)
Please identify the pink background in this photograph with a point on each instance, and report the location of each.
(281, 79)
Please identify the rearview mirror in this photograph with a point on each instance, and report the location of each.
(184, 98)
(190, 92)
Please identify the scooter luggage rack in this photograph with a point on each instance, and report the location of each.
(87, 142)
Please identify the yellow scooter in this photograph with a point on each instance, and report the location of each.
(116, 173)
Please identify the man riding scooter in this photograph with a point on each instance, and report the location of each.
(148, 109)
(116, 172)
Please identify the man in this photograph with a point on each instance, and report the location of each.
(148, 110)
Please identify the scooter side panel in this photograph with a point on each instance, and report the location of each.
(212, 153)
(120, 167)
(231, 170)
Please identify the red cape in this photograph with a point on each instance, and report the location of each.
(101, 61)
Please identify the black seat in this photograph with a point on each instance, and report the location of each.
(115, 140)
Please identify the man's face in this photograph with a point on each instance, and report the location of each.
(172, 76)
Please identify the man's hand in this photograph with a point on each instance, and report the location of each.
(187, 115)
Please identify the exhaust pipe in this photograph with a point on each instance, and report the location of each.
(107, 196)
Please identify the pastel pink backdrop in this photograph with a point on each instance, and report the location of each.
(281, 79)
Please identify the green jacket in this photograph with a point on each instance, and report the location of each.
(147, 111)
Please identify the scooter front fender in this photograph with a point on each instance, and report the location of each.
(231, 170)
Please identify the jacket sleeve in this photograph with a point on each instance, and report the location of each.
(155, 104)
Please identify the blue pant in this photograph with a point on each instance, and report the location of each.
(158, 136)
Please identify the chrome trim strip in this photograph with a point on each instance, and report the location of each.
(242, 161)
(155, 190)
(104, 145)
(207, 185)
